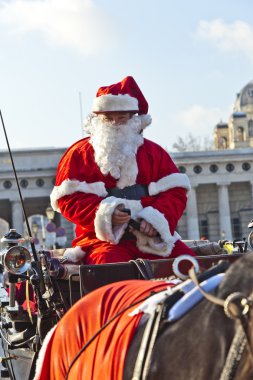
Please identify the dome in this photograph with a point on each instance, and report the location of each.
(244, 98)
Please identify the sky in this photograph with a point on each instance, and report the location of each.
(190, 59)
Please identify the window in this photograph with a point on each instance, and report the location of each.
(223, 143)
(236, 228)
(197, 169)
(230, 167)
(24, 183)
(7, 184)
(246, 166)
(182, 169)
(213, 168)
(40, 182)
(203, 229)
(250, 127)
(240, 134)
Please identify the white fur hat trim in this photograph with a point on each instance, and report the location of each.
(114, 103)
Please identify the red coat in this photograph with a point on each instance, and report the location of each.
(80, 195)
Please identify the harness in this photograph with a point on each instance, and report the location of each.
(236, 306)
(156, 322)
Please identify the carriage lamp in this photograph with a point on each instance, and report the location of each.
(17, 260)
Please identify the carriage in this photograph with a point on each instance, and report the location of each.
(23, 327)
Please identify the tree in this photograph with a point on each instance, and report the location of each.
(192, 143)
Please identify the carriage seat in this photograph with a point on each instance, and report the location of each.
(93, 276)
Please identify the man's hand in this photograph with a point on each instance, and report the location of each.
(120, 217)
(147, 229)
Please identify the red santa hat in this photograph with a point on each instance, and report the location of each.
(124, 96)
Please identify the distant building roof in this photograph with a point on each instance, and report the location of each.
(221, 124)
(239, 114)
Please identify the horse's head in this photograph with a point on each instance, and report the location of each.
(238, 286)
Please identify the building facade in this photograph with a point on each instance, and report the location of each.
(220, 203)
(36, 169)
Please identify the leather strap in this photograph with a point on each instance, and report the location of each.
(145, 271)
(142, 363)
(134, 192)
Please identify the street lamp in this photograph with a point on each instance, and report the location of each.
(50, 229)
(35, 229)
(49, 213)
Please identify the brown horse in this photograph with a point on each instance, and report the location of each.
(195, 347)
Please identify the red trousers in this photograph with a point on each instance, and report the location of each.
(126, 250)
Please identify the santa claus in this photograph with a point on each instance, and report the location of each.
(115, 176)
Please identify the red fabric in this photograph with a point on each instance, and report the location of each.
(104, 358)
(125, 251)
(20, 297)
(80, 208)
(126, 86)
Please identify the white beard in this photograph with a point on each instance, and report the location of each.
(115, 147)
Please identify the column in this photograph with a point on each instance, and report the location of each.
(251, 191)
(17, 217)
(224, 212)
(192, 216)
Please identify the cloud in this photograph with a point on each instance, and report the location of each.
(199, 120)
(78, 24)
(237, 36)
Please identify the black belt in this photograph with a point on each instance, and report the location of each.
(134, 192)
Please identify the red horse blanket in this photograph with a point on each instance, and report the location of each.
(104, 358)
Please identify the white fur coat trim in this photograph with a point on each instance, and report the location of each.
(103, 219)
(42, 352)
(169, 182)
(70, 186)
(74, 254)
(110, 103)
(162, 245)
